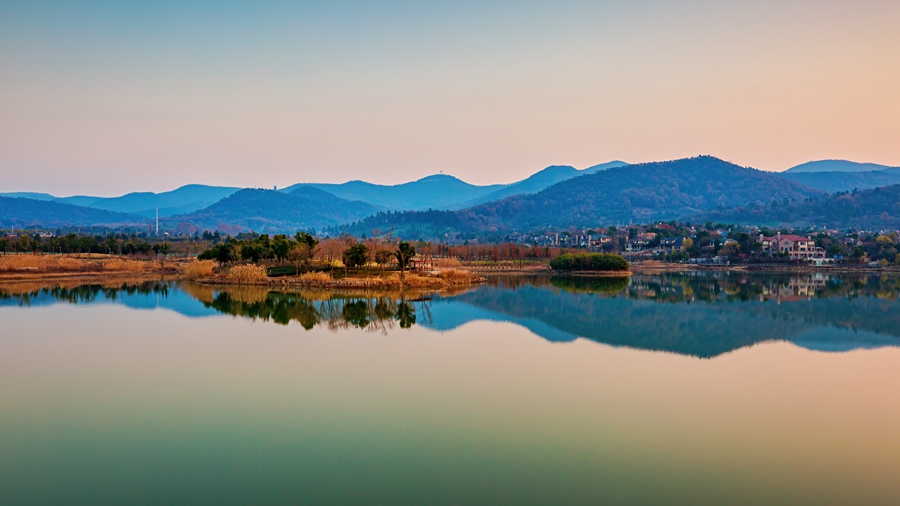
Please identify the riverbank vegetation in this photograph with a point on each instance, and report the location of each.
(333, 263)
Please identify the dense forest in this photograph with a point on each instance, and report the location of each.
(833, 182)
(874, 209)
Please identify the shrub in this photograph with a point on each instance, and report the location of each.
(589, 262)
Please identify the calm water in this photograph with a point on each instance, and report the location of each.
(675, 389)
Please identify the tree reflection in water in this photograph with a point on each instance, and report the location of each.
(336, 311)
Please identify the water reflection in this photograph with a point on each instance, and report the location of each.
(697, 313)
(379, 313)
(167, 393)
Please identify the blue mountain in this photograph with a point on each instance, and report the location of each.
(539, 181)
(836, 166)
(440, 191)
(270, 211)
(23, 213)
(182, 200)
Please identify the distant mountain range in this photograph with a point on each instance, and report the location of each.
(441, 191)
(183, 200)
(269, 211)
(26, 213)
(630, 194)
(557, 196)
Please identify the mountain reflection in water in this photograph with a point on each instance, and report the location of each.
(698, 313)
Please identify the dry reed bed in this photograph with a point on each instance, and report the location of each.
(199, 269)
(59, 264)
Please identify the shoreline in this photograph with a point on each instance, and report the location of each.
(104, 269)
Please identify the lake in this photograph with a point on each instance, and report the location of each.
(681, 388)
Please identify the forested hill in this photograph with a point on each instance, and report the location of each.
(634, 193)
(539, 181)
(269, 211)
(875, 209)
(833, 182)
(438, 191)
(23, 213)
(640, 193)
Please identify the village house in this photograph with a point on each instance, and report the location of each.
(669, 245)
(637, 244)
(797, 247)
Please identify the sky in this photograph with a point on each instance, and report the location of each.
(104, 98)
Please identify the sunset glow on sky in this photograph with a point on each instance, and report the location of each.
(104, 98)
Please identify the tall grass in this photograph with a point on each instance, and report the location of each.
(247, 274)
(317, 278)
(459, 276)
(416, 281)
(120, 265)
(55, 264)
(40, 263)
(199, 269)
(447, 262)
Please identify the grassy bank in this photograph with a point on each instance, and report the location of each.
(36, 267)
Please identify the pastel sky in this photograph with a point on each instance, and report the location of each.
(102, 97)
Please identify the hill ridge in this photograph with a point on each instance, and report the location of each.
(632, 193)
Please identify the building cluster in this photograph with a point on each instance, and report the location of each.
(590, 241)
(720, 243)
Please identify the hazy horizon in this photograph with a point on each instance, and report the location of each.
(105, 99)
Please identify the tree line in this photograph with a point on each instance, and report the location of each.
(75, 243)
(306, 252)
